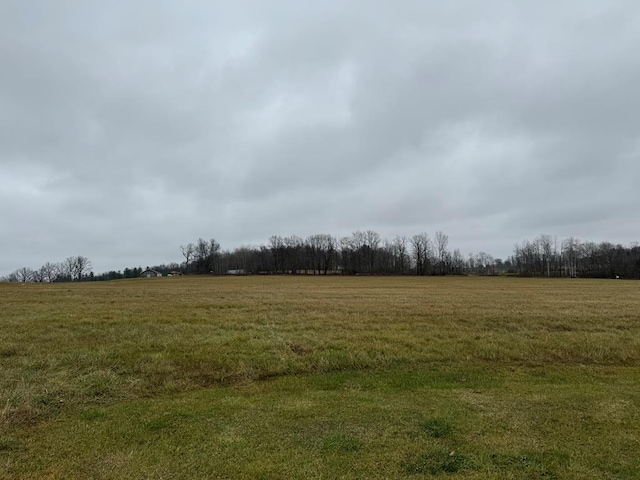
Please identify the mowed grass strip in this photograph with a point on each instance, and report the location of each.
(393, 424)
(504, 352)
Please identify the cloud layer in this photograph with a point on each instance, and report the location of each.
(129, 128)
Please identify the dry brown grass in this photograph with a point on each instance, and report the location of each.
(509, 348)
(91, 343)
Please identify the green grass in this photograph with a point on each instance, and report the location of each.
(438, 427)
(302, 377)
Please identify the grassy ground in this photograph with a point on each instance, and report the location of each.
(309, 377)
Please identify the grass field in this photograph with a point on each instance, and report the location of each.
(312, 377)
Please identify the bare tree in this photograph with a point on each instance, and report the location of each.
(546, 245)
(81, 267)
(345, 254)
(371, 244)
(12, 277)
(240, 259)
(316, 247)
(37, 276)
(472, 263)
(67, 268)
(329, 253)
(278, 251)
(420, 247)
(484, 263)
(400, 250)
(356, 245)
(204, 255)
(49, 272)
(294, 253)
(442, 242)
(570, 249)
(187, 252)
(214, 256)
(457, 261)
(201, 256)
(24, 275)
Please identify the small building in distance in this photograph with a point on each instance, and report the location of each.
(238, 271)
(174, 273)
(148, 273)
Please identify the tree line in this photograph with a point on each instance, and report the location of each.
(361, 253)
(547, 256)
(75, 268)
(368, 253)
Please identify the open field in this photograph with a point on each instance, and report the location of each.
(313, 377)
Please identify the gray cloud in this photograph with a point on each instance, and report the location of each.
(128, 128)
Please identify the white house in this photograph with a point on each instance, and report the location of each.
(148, 273)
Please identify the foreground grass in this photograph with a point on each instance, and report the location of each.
(320, 378)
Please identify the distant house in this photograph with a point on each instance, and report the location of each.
(148, 273)
(239, 271)
(174, 273)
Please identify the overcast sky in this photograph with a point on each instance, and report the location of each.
(128, 128)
